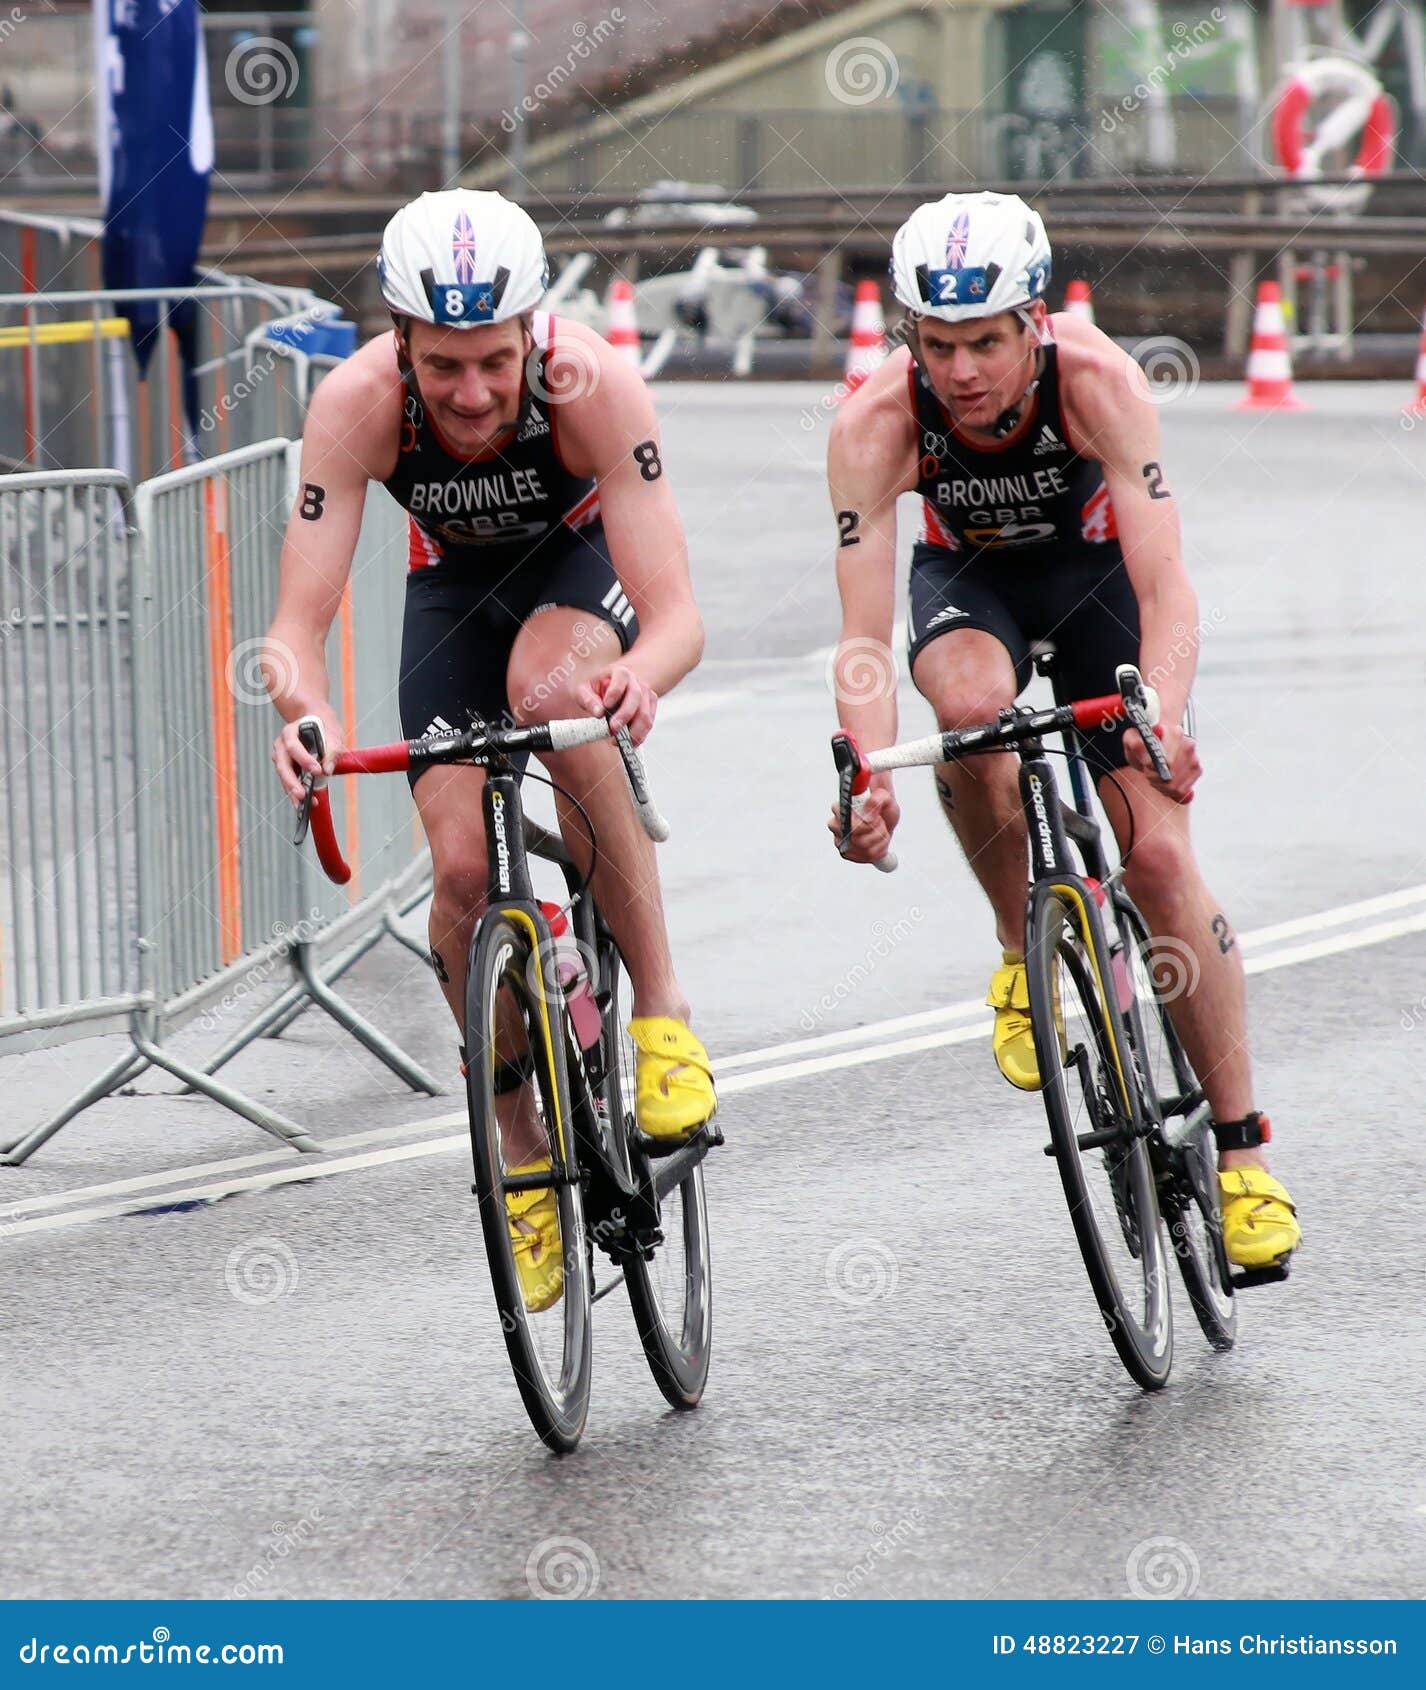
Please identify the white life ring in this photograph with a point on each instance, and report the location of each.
(1362, 107)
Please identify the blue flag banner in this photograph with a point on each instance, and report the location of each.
(155, 153)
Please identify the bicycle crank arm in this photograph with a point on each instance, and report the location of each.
(671, 1170)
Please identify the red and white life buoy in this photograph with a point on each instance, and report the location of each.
(1361, 107)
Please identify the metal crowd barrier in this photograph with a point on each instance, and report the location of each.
(69, 387)
(148, 869)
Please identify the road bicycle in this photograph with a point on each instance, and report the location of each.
(641, 1203)
(1130, 1127)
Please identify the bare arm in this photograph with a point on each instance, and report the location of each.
(869, 462)
(1116, 423)
(612, 433)
(337, 464)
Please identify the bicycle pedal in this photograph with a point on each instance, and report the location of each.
(656, 1148)
(1243, 1279)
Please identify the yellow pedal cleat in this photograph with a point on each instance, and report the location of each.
(535, 1237)
(675, 1086)
(1259, 1219)
(1009, 997)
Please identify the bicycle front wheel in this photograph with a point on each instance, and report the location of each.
(512, 1021)
(1092, 1101)
(671, 1292)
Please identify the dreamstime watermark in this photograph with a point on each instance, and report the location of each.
(886, 1541)
(861, 670)
(1162, 369)
(1173, 968)
(260, 71)
(884, 941)
(1186, 644)
(562, 1569)
(261, 972)
(1162, 1569)
(11, 21)
(568, 370)
(1414, 1016)
(861, 1271)
(258, 667)
(260, 1271)
(861, 70)
(1187, 38)
(564, 671)
(285, 1539)
(586, 40)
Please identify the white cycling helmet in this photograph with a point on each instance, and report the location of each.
(970, 255)
(461, 257)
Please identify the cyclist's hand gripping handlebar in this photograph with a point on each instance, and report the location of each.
(1141, 711)
(316, 808)
(853, 786)
(316, 811)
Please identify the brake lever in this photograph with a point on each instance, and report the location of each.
(1138, 699)
(853, 783)
(309, 731)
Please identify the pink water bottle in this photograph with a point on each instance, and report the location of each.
(573, 977)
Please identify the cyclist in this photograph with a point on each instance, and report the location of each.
(548, 578)
(1034, 449)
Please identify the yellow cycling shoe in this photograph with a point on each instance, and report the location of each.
(675, 1089)
(535, 1239)
(1009, 997)
(1259, 1220)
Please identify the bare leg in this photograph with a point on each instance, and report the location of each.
(449, 801)
(1210, 1016)
(967, 677)
(554, 652)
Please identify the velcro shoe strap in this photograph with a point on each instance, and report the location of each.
(1009, 988)
(669, 1040)
(1237, 1183)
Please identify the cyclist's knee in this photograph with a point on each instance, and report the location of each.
(1162, 871)
(459, 895)
(555, 652)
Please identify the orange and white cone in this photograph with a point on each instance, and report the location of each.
(1269, 365)
(1077, 300)
(1417, 406)
(868, 344)
(623, 324)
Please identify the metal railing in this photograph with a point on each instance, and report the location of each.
(70, 392)
(148, 871)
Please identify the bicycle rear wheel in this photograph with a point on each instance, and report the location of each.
(508, 1019)
(671, 1293)
(1091, 1099)
(1188, 1193)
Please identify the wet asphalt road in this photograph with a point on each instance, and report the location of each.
(303, 1391)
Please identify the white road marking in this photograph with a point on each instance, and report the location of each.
(879, 1050)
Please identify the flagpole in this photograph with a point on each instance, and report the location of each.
(450, 96)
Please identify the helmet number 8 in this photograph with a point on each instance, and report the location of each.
(455, 302)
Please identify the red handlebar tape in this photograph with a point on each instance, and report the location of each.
(1090, 712)
(324, 837)
(375, 760)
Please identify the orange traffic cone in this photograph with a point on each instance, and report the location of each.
(1269, 366)
(1417, 407)
(868, 343)
(623, 324)
(1077, 301)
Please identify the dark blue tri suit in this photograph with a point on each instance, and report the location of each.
(493, 540)
(1019, 540)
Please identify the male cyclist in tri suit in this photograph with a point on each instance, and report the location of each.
(548, 578)
(1034, 450)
